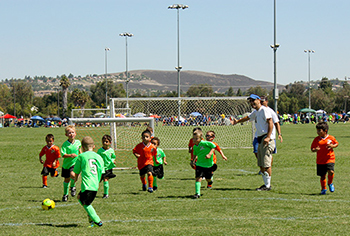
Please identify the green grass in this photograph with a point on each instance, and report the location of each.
(232, 207)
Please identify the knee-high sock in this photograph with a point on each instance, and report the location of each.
(92, 213)
(45, 180)
(323, 183)
(150, 181)
(72, 183)
(330, 178)
(65, 188)
(155, 182)
(143, 180)
(105, 187)
(198, 188)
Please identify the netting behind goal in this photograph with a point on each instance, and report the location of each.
(126, 136)
(174, 131)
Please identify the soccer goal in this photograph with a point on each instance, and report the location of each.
(125, 133)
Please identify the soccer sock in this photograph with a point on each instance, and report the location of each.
(155, 182)
(65, 188)
(268, 182)
(72, 183)
(198, 188)
(323, 183)
(330, 178)
(264, 179)
(105, 187)
(92, 213)
(150, 181)
(45, 180)
(143, 180)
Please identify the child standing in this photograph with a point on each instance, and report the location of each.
(144, 152)
(70, 150)
(323, 144)
(190, 147)
(90, 165)
(158, 161)
(203, 156)
(210, 135)
(51, 163)
(108, 156)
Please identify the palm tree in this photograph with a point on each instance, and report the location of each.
(80, 98)
(64, 83)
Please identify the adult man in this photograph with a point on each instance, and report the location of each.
(264, 128)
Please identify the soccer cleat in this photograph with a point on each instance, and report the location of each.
(58, 174)
(44, 186)
(323, 191)
(93, 224)
(73, 191)
(144, 187)
(65, 198)
(331, 187)
(105, 196)
(155, 188)
(196, 196)
(150, 190)
(263, 188)
(210, 183)
(209, 186)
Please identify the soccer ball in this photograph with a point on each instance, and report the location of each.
(48, 204)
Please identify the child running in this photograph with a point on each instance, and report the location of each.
(70, 150)
(145, 152)
(190, 148)
(108, 156)
(210, 135)
(51, 163)
(158, 161)
(203, 156)
(323, 144)
(90, 165)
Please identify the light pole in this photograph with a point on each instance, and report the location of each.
(178, 68)
(126, 35)
(274, 48)
(58, 102)
(308, 51)
(106, 50)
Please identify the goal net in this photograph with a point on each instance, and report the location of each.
(125, 133)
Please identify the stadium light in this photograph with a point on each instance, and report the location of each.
(274, 48)
(308, 51)
(178, 68)
(106, 50)
(126, 35)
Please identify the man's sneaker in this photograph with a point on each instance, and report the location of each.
(144, 187)
(105, 196)
(93, 224)
(44, 186)
(331, 187)
(65, 198)
(263, 188)
(155, 188)
(73, 191)
(196, 196)
(323, 191)
(150, 190)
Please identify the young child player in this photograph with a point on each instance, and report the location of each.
(190, 147)
(323, 144)
(108, 155)
(51, 163)
(90, 165)
(159, 160)
(203, 157)
(70, 150)
(145, 152)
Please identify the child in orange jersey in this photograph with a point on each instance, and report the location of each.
(210, 135)
(323, 144)
(51, 163)
(145, 152)
(190, 148)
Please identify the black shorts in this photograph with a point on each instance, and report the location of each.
(146, 169)
(66, 172)
(204, 172)
(87, 197)
(322, 169)
(158, 171)
(108, 174)
(46, 171)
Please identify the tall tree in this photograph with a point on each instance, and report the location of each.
(200, 90)
(64, 83)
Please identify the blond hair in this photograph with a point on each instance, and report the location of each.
(69, 127)
(87, 143)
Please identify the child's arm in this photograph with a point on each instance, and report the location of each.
(136, 155)
(223, 156)
(208, 156)
(164, 160)
(73, 155)
(331, 145)
(54, 163)
(41, 160)
(193, 162)
(316, 149)
(76, 178)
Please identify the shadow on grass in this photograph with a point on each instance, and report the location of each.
(59, 226)
(233, 189)
(177, 197)
(29, 187)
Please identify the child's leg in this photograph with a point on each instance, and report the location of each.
(155, 181)
(45, 180)
(105, 186)
(323, 182)
(198, 185)
(72, 177)
(66, 186)
(143, 179)
(330, 176)
(150, 179)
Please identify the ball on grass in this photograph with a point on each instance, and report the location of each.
(48, 204)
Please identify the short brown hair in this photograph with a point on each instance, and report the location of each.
(87, 142)
(156, 139)
(50, 136)
(107, 137)
(322, 125)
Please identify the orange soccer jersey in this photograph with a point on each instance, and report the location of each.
(324, 155)
(146, 154)
(217, 148)
(190, 145)
(52, 153)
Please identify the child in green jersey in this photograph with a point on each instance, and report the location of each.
(159, 160)
(69, 151)
(90, 165)
(203, 157)
(108, 156)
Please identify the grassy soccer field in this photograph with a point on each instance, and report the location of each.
(232, 207)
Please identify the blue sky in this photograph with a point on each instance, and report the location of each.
(42, 37)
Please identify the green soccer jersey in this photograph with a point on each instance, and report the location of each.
(201, 150)
(160, 157)
(70, 148)
(90, 165)
(108, 157)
